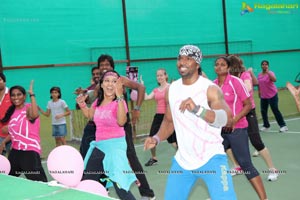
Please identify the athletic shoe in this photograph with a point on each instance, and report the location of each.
(273, 175)
(283, 129)
(264, 129)
(148, 198)
(236, 171)
(255, 154)
(151, 162)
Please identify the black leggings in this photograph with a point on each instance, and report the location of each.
(88, 136)
(27, 163)
(253, 131)
(135, 164)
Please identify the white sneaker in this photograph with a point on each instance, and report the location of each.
(283, 129)
(264, 129)
(255, 154)
(148, 198)
(273, 175)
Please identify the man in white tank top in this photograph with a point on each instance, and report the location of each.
(197, 111)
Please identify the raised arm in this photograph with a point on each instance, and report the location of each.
(121, 113)
(147, 96)
(87, 112)
(254, 79)
(32, 112)
(271, 75)
(141, 94)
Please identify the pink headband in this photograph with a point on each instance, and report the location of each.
(111, 74)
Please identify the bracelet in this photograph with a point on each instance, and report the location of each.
(120, 98)
(155, 137)
(137, 108)
(202, 115)
(196, 109)
(201, 112)
(32, 95)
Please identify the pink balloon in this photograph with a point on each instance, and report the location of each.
(65, 165)
(92, 186)
(133, 95)
(4, 165)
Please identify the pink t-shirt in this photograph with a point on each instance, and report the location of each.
(159, 96)
(267, 87)
(105, 118)
(25, 135)
(235, 93)
(247, 76)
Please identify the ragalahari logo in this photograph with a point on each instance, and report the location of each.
(246, 8)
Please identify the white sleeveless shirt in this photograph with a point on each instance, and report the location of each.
(197, 140)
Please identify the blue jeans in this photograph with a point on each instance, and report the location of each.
(264, 105)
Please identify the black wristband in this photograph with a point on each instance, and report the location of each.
(32, 95)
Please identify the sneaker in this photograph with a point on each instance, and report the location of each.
(283, 129)
(151, 162)
(255, 154)
(148, 198)
(273, 175)
(264, 129)
(236, 171)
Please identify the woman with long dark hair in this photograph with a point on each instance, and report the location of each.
(24, 132)
(107, 154)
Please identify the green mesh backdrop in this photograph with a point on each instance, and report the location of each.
(71, 31)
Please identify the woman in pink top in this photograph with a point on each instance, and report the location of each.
(24, 132)
(237, 69)
(159, 95)
(107, 154)
(267, 91)
(236, 137)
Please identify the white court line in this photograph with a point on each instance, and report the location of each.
(281, 132)
(287, 120)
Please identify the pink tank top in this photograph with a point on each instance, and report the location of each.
(159, 96)
(105, 118)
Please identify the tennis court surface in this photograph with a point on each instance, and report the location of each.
(284, 148)
(17, 188)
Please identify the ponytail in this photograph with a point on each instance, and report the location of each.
(8, 114)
